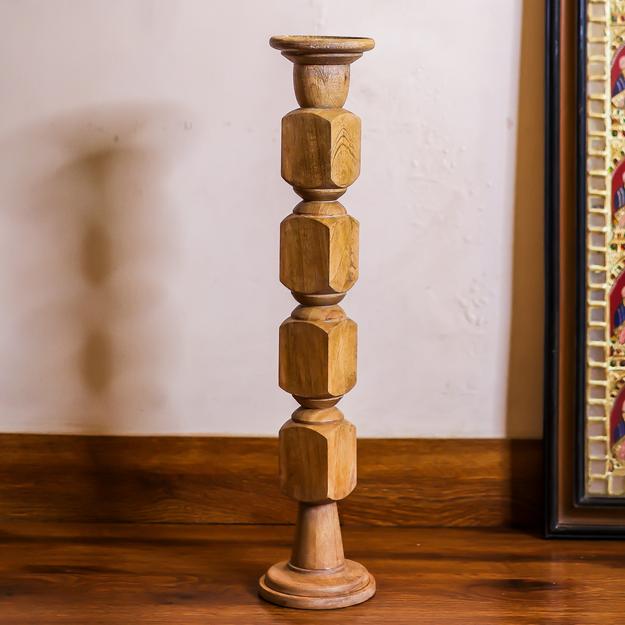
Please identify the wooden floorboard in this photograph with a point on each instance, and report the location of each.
(96, 574)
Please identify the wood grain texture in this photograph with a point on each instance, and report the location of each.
(318, 460)
(320, 148)
(318, 358)
(403, 482)
(321, 86)
(156, 575)
(319, 254)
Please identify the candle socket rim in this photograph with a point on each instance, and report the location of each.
(321, 44)
(321, 49)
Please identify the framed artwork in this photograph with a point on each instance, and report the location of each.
(585, 268)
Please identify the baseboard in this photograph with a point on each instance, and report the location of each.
(401, 482)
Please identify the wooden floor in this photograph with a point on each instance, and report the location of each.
(142, 574)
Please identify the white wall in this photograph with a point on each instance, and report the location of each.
(140, 199)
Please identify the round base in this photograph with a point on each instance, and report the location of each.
(317, 590)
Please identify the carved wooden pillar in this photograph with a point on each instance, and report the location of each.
(319, 264)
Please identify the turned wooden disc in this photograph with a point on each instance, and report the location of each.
(318, 43)
(317, 590)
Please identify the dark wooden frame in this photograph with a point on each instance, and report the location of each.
(569, 513)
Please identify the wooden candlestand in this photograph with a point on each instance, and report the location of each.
(319, 264)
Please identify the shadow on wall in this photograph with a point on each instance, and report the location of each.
(524, 408)
(525, 367)
(88, 242)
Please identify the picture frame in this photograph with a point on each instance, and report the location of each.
(584, 375)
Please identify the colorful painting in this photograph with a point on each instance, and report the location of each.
(604, 469)
(584, 434)
(617, 313)
(618, 192)
(617, 428)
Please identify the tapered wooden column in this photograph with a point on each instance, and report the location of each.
(319, 264)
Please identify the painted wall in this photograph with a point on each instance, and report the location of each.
(140, 199)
